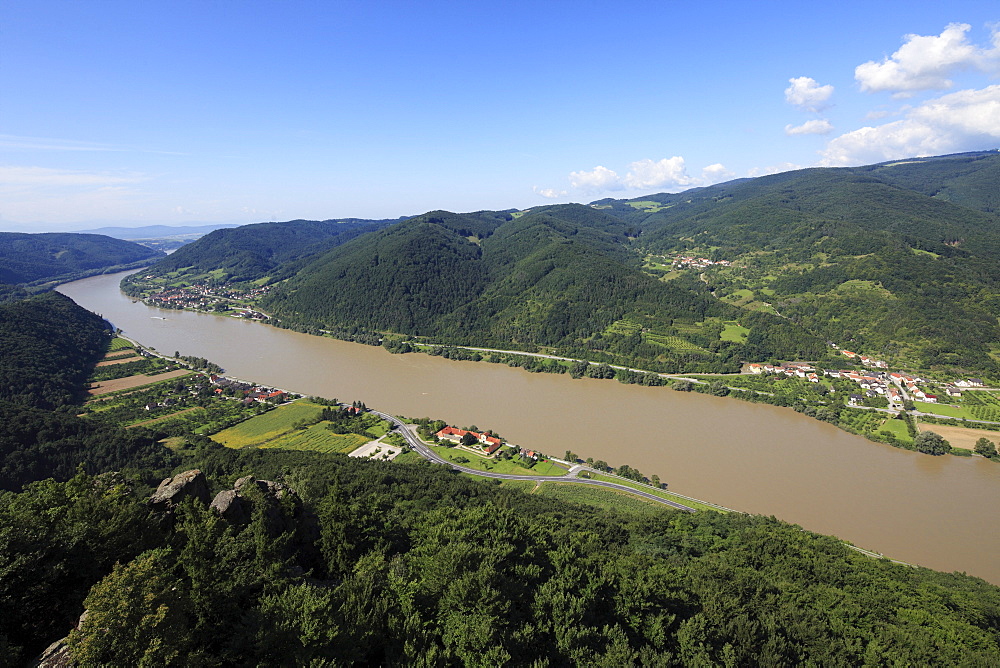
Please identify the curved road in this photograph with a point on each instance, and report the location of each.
(430, 455)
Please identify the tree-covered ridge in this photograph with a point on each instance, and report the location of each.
(854, 256)
(966, 179)
(27, 258)
(251, 252)
(388, 564)
(558, 276)
(893, 259)
(48, 347)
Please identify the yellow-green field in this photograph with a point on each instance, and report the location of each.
(269, 426)
(318, 439)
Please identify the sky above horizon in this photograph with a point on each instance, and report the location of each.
(138, 113)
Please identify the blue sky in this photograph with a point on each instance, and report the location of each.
(135, 113)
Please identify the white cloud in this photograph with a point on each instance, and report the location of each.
(14, 142)
(645, 174)
(773, 169)
(716, 173)
(52, 196)
(660, 174)
(925, 62)
(962, 121)
(43, 176)
(808, 95)
(549, 193)
(817, 126)
(598, 179)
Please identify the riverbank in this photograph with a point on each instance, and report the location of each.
(754, 457)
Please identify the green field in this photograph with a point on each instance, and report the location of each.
(268, 426)
(119, 343)
(734, 332)
(608, 499)
(496, 466)
(317, 438)
(897, 428)
(943, 409)
(649, 489)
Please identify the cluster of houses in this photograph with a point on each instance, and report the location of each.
(894, 386)
(489, 443)
(864, 359)
(249, 392)
(685, 261)
(204, 297)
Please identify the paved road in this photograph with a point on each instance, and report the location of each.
(570, 476)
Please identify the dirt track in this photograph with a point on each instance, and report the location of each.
(106, 386)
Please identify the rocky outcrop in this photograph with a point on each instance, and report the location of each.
(231, 506)
(172, 491)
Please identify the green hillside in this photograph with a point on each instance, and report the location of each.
(896, 260)
(29, 258)
(561, 277)
(252, 252)
(852, 255)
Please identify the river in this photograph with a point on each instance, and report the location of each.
(939, 512)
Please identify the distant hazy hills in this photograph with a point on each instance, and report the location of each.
(897, 260)
(157, 231)
(29, 258)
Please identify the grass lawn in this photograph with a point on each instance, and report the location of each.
(649, 489)
(607, 499)
(734, 332)
(943, 409)
(897, 428)
(496, 466)
(119, 343)
(270, 425)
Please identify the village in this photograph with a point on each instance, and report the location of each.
(206, 297)
(896, 388)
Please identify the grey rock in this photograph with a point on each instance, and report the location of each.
(231, 506)
(170, 493)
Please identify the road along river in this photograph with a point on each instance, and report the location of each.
(939, 512)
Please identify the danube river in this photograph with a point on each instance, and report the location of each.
(940, 512)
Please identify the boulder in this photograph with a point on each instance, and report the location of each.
(172, 491)
(231, 507)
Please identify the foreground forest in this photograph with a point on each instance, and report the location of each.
(335, 561)
(896, 261)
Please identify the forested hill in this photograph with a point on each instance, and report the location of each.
(28, 258)
(897, 260)
(559, 276)
(252, 252)
(48, 347)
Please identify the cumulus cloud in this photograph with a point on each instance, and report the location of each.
(817, 126)
(550, 193)
(926, 62)
(660, 174)
(598, 179)
(962, 121)
(646, 174)
(716, 173)
(773, 169)
(806, 94)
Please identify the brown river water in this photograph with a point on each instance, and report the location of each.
(939, 512)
